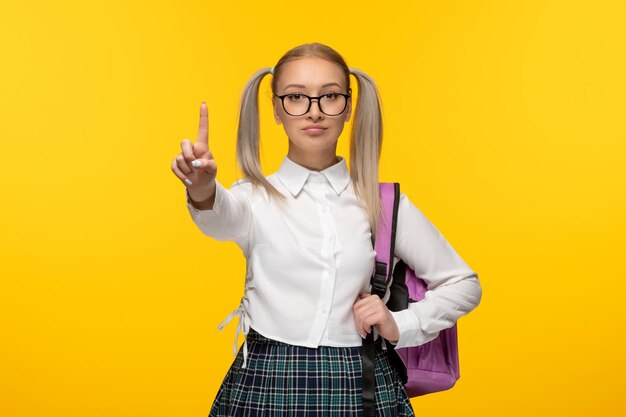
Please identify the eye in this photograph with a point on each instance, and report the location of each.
(330, 96)
(294, 97)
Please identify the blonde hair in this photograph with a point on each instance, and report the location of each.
(365, 138)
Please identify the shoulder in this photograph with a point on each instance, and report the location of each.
(246, 184)
(404, 200)
(241, 184)
(409, 211)
(256, 193)
(241, 188)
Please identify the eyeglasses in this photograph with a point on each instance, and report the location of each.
(331, 104)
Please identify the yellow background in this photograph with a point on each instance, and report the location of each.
(504, 123)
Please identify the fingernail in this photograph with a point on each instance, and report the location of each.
(362, 335)
(187, 181)
(196, 163)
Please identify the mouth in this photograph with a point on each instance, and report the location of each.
(314, 130)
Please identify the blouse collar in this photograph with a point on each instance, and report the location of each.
(293, 175)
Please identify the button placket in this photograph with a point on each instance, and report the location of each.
(328, 282)
(317, 188)
(328, 253)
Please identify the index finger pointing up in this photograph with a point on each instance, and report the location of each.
(203, 130)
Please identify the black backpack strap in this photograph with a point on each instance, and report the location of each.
(381, 275)
(368, 381)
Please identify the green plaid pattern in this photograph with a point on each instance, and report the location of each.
(283, 380)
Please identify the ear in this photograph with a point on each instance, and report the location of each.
(276, 105)
(349, 110)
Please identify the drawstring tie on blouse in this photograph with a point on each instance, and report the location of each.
(242, 326)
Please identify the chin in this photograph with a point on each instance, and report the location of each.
(307, 142)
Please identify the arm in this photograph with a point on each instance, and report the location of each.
(453, 287)
(228, 216)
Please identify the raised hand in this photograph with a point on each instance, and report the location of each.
(195, 165)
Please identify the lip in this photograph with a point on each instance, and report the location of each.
(314, 129)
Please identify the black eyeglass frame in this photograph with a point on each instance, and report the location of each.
(282, 100)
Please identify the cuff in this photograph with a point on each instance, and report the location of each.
(408, 325)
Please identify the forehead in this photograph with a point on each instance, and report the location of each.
(311, 73)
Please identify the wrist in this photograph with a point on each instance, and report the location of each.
(202, 202)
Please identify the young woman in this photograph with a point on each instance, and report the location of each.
(306, 232)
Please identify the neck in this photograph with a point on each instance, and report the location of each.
(314, 161)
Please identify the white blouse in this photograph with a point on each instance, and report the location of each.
(309, 258)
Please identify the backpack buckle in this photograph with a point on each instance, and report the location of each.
(379, 280)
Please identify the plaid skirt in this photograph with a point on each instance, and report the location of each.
(284, 380)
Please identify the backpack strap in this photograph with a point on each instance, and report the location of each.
(383, 268)
(385, 244)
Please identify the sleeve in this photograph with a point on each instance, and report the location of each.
(453, 288)
(231, 216)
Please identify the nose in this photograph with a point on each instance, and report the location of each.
(315, 111)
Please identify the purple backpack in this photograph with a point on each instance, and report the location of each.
(427, 368)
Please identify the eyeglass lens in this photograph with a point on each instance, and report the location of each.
(330, 104)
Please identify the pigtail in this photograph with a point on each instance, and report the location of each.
(248, 148)
(365, 146)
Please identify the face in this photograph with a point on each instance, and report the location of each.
(313, 77)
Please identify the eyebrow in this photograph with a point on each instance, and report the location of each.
(303, 86)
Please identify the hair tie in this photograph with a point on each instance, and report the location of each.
(272, 70)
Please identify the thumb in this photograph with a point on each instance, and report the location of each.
(205, 164)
